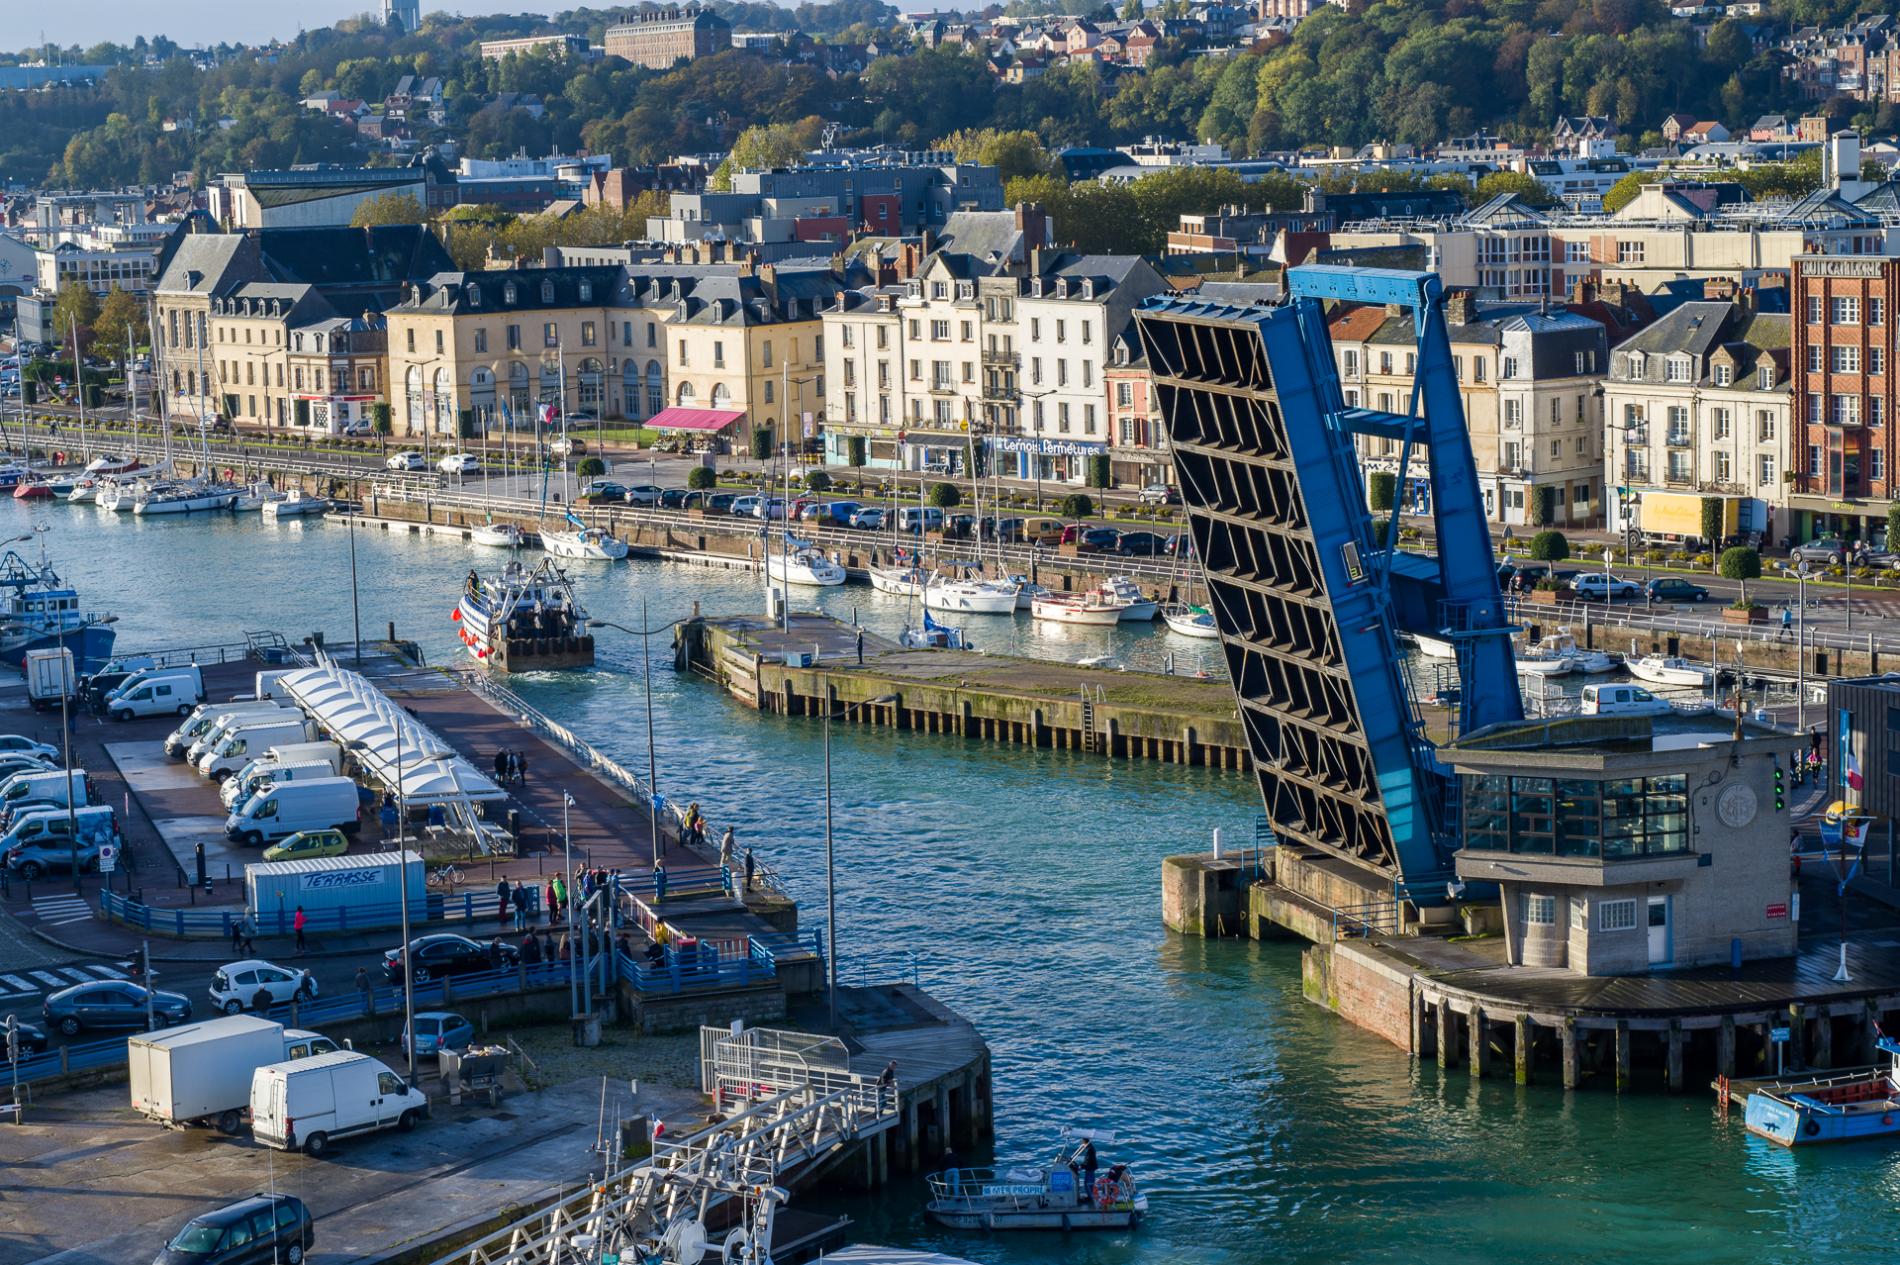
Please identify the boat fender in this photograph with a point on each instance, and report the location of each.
(1811, 1128)
(1107, 1191)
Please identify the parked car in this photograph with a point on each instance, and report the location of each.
(674, 498)
(31, 1039)
(647, 494)
(1671, 588)
(406, 462)
(1827, 549)
(358, 428)
(871, 518)
(438, 1030)
(112, 1004)
(460, 463)
(604, 491)
(568, 445)
(1102, 539)
(1160, 494)
(769, 508)
(1622, 700)
(1008, 530)
(20, 744)
(1594, 586)
(261, 1230)
(1181, 545)
(959, 526)
(744, 507)
(11, 764)
(1141, 544)
(235, 985)
(309, 843)
(445, 953)
(721, 502)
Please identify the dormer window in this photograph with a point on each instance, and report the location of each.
(1724, 375)
(508, 294)
(1765, 377)
(587, 291)
(1677, 369)
(965, 291)
(1639, 364)
(474, 295)
(547, 292)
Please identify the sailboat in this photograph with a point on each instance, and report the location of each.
(1189, 621)
(497, 536)
(584, 542)
(801, 562)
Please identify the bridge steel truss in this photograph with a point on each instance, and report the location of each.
(1301, 584)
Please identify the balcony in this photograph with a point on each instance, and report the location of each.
(1679, 438)
(996, 356)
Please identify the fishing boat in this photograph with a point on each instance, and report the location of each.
(1660, 669)
(498, 536)
(596, 543)
(804, 564)
(1056, 1197)
(899, 581)
(1139, 606)
(524, 620)
(1094, 608)
(1560, 655)
(40, 611)
(970, 595)
(1847, 1107)
(294, 504)
(1189, 621)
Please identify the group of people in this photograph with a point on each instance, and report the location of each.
(511, 767)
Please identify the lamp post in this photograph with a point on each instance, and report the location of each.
(1036, 456)
(356, 608)
(831, 886)
(653, 781)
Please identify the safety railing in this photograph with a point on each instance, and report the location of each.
(706, 971)
(466, 906)
(901, 966)
(1379, 918)
(67, 1059)
(1640, 617)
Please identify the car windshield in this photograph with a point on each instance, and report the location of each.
(197, 1237)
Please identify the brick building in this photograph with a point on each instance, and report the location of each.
(662, 38)
(1844, 393)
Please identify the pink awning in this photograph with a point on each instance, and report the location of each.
(704, 419)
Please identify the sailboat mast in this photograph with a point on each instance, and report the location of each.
(79, 379)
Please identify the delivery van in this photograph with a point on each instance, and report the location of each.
(202, 1073)
(303, 752)
(157, 692)
(41, 842)
(310, 1103)
(214, 734)
(916, 519)
(323, 803)
(1622, 700)
(201, 720)
(51, 787)
(254, 776)
(242, 745)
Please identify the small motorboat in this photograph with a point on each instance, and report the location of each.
(1107, 662)
(294, 504)
(35, 489)
(970, 596)
(1545, 661)
(1560, 655)
(1027, 591)
(1140, 607)
(1434, 647)
(254, 497)
(1094, 607)
(497, 536)
(805, 564)
(1660, 669)
(899, 581)
(1846, 1107)
(85, 488)
(587, 542)
(1058, 1197)
(1189, 621)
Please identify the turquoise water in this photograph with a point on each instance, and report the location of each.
(1264, 1129)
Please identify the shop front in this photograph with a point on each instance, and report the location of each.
(1045, 460)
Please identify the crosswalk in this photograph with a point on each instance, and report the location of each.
(57, 911)
(50, 979)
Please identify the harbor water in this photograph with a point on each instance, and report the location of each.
(1027, 885)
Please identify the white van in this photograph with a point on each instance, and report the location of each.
(199, 723)
(254, 776)
(1623, 700)
(312, 1102)
(322, 803)
(214, 734)
(47, 788)
(156, 692)
(242, 745)
(910, 516)
(304, 752)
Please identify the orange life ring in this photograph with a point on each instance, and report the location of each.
(1108, 1191)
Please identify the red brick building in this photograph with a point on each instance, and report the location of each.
(1846, 313)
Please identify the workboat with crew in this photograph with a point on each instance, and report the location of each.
(39, 611)
(1844, 1107)
(524, 620)
(1076, 1192)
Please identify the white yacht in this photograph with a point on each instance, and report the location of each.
(806, 565)
(85, 490)
(1094, 607)
(189, 497)
(970, 596)
(1190, 621)
(585, 542)
(110, 466)
(497, 536)
(294, 504)
(255, 496)
(1138, 605)
(1669, 670)
(899, 581)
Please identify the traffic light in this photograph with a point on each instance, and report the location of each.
(1781, 797)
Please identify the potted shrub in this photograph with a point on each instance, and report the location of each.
(1546, 592)
(1742, 611)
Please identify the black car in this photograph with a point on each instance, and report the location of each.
(446, 953)
(1142, 544)
(673, 499)
(1004, 529)
(1671, 588)
(261, 1230)
(1181, 546)
(93, 689)
(721, 502)
(112, 1004)
(959, 526)
(1100, 538)
(29, 1038)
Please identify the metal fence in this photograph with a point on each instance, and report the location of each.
(427, 906)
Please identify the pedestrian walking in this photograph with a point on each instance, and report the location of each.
(560, 892)
(501, 766)
(521, 767)
(530, 949)
(297, 924)
(554, 905)
(365, 991)
(504, 900)
(250, 932)
(750, 867)
(508, 773)
(860, 646)
(725, 849)
(521, 906)
(1787, 625)
(659, 881)
(261, 1001)
(237, 933)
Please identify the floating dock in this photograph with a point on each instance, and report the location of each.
(812, 666)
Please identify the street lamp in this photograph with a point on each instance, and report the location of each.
(831, 887)
(1036, 456)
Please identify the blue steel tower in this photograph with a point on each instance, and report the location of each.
(1309, 596)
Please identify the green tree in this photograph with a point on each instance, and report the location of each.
(1529, 189)
(1014, 154)
(76, 307)
(1624, 191)
(817, 481)
(388, 208)
(762, 443)
(1100, 471)
(857, 449)
(769, 145)
(1893, 527)
(1711, 520)
(590, 468)
(1076, 505)
(702, 478)
(1741, 564)
(1381, 487)
(120, 316)
(1550, 546)
(945, 496)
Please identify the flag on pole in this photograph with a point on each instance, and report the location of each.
(546, 412)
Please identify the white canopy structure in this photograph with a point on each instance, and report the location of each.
(404, 755)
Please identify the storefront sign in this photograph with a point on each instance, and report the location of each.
(1045, 447)
(1775, 912)
(1829, 266)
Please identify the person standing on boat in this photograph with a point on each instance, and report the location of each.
(1089, 1165)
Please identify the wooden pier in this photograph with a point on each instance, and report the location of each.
(813, 667)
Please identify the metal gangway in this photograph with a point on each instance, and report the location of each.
(805, 1104)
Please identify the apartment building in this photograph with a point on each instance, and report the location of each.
(1527, 377)
(1698, 402)
(864, 371)
(103, 257)
(662, 38)
(942, 350)
(1844, 393)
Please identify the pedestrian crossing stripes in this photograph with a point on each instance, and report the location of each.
(60, 910)
(25, 983)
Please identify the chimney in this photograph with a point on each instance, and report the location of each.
(929, 243)
(1458, 307)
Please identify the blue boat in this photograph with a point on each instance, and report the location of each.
(39, 611)
(1830, 1109)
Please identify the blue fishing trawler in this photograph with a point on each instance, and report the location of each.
(1846, 1108)
(39, 611)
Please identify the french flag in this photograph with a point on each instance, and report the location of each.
(547, 414)
(1854, 780)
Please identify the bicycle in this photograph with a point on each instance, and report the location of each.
(445, 876)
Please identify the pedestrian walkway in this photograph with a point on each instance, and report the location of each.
(59, 911)
(33, 982)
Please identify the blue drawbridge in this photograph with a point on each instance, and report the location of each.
(1309, 594)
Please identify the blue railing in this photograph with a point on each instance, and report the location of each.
(705, 971)
(468, 905)
(72, 1058)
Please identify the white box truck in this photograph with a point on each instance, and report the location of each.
(313, 1102)
(300, 752)
(201, 1073)
(242, 745)
(49, 677)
